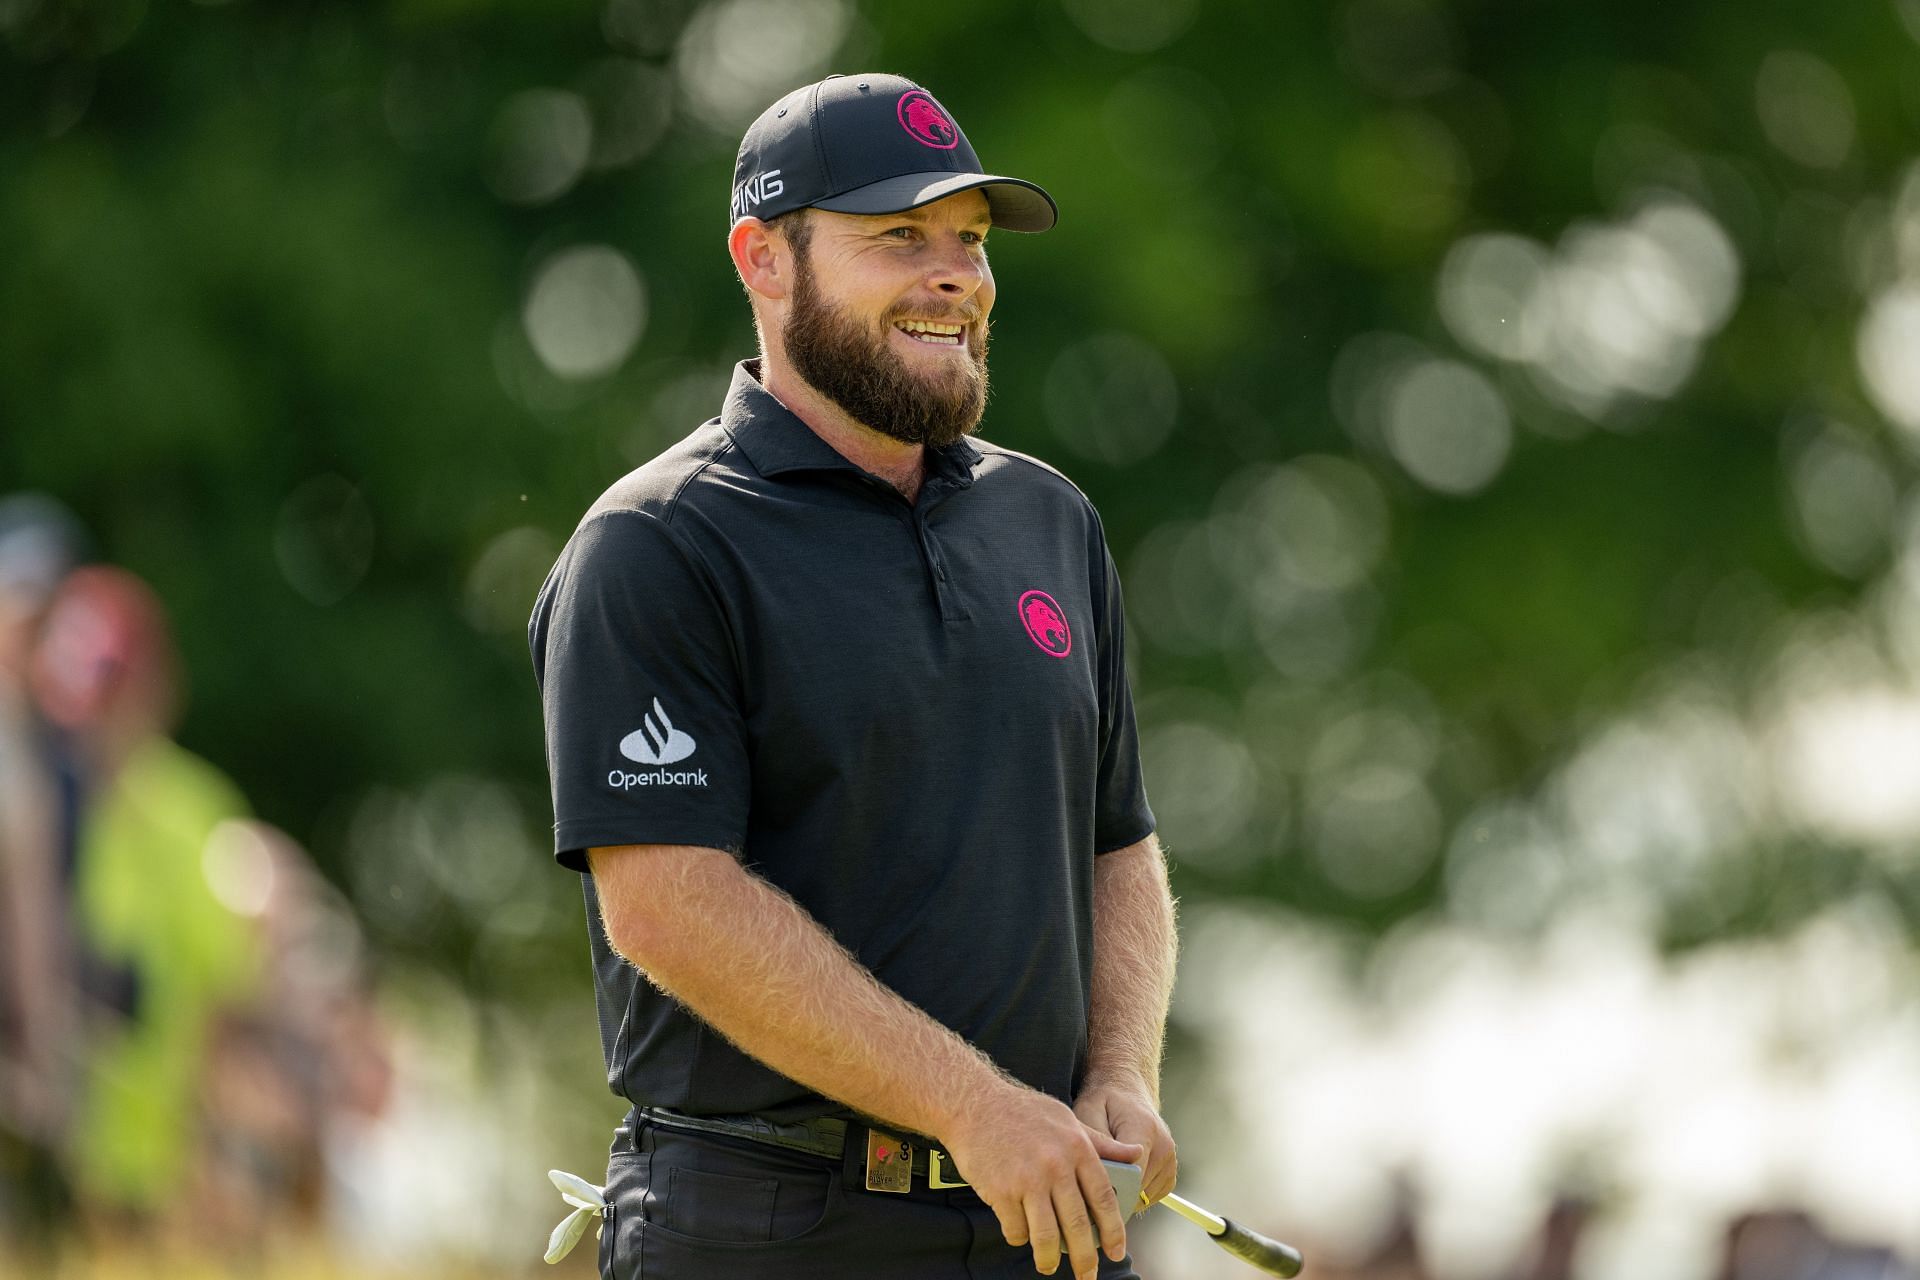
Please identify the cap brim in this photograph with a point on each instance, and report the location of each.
(1015, 203)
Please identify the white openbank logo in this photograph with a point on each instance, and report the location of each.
(656, 741)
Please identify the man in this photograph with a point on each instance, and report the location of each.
(838, 720)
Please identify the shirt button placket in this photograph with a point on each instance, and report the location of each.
(936, 571)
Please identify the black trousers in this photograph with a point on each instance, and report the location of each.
(699, 1206)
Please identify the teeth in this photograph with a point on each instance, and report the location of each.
(940, 335)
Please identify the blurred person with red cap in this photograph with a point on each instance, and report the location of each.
(106, 675)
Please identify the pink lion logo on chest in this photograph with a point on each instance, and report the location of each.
(1046, 623)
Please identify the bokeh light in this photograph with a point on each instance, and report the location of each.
(542, 139)
(1843, 497)
(1621, 312)
(1448, 426)
(1888, 340)
(586, 310)
(1112, 398)
(323, 539)
(632, 107)
(505, 578)
(736, 56)
(1131, 26)
(1805, 108)
(1212, 790)
(1484, 290)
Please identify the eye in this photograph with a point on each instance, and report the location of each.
(904, 233)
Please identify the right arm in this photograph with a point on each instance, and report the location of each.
(754, 965)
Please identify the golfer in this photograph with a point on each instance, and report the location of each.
(839, 730)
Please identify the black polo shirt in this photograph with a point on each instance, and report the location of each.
(913, 718)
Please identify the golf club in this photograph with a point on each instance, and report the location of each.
(1270, 1256)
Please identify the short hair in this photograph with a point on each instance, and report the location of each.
(796, 226)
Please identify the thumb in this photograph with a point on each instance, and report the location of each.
(1114, 1149)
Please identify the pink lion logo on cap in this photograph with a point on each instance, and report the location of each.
(1046, 623)
(922, 117)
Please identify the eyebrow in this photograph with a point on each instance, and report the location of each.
(982, 219)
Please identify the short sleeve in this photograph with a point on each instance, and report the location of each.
(1121, 815)
(640, 691)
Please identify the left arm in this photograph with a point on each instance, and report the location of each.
(1134, 947)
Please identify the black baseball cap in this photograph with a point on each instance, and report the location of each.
(869, 144)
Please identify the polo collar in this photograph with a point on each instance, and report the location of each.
(776, 441)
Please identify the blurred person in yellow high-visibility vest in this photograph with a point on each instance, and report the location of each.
(106, 673)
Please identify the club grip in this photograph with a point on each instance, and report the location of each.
(1270, 1256)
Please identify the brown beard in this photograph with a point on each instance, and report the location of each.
(847, 362)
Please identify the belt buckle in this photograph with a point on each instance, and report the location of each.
(889, 1163)
(935, 1179)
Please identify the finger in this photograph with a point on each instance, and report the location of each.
(1045, 1233)
(1114, 1149)
(1163, 1170)
(1013, 1221)
(1157, 1165)
(1076, 1227)
(1097, 1190)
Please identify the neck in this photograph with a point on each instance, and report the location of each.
(900, 464)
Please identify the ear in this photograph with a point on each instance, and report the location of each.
(761, 258)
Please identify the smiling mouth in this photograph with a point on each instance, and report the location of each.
(932, 334)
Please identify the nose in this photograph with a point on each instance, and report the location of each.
(958, 273)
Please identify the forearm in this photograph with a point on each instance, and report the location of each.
(1134, 950)
(754, 965)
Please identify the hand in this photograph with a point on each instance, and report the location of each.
(1124, 1111)
(1038, 1168)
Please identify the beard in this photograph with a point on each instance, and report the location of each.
(846, 361)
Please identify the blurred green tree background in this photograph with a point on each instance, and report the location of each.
(1489, 404)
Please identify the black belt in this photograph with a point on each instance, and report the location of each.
(826, 1136)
